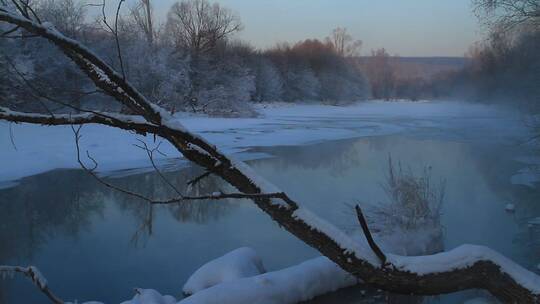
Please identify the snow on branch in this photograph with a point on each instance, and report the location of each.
(100, 72)
(126, 122)
(465, 257)
(37, 278)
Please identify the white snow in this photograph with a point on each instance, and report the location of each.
(291, 285)
(40, 149)
(149, 296)
(360, 249)
(32, 271)
(462, 257)
(239, 263)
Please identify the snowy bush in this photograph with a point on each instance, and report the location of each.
(413, 201)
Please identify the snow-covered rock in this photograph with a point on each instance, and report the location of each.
(239, 263)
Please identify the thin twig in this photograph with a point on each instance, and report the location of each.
(115, 33)
(197, 179)
(213, 196)
(150, 153)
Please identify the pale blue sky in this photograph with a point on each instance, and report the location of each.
(404, 27)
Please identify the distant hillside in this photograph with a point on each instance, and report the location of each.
(424, 67)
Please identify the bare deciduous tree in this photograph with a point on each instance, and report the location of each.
(381, 74)
(199, 25)
(66, 15)
(343, 42)
(142, 14)
(509, 13)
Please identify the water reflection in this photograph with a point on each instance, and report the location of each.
(153, 186)
(64, 204)
(78, 231)
(41, 208)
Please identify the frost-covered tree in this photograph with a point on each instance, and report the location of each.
(269, 82)
(302, 84)
(67, 16)
(222, 83)
(314, 71)
(161, 74)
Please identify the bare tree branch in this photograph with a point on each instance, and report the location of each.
(369, 238)
(37, 278)
(150, 153)
(114, 32)
(180, 198)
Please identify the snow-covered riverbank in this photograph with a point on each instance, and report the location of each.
(39, 149)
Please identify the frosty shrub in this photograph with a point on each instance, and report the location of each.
(414, 201)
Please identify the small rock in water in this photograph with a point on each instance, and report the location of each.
(510, 207)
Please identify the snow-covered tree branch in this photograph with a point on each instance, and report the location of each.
(467, 267)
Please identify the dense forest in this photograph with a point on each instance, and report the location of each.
(189, 62)
(192, 62)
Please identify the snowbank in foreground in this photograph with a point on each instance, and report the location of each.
(39, 149)
(237, 264)
(290, 285)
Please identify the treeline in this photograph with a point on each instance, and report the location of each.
(504, 69)
(189, 62)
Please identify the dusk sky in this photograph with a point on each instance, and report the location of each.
(406, 28)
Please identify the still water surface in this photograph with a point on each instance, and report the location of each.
(95, 244)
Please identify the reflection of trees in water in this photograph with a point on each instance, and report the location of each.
(151, 185)
(62, 202)
(42, 207)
